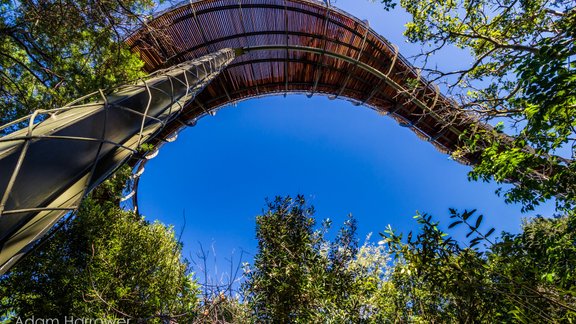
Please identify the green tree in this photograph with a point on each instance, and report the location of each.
(527, 277)
(280, 285)
(52, 52)
(104, 263)
(299, 276)
(423, 277)
(539, 265)
(436, 280)
(522, 73)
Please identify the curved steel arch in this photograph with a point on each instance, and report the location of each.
(298, 46)
(61, 154)
(280, 47)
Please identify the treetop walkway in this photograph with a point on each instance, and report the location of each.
(205, 55)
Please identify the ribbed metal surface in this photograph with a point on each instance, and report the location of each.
(285, 27)
(282, 46)
(48, 166)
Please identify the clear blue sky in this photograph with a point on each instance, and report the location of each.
(344, 159)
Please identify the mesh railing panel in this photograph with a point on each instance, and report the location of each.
(51, 159)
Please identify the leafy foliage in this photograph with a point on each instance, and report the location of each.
(436, 280)
(299, 276)
(108, 263)
(508, 281)
(522, 73)
(54, 51)
(281, 283)
(104, 263)
(425, 277)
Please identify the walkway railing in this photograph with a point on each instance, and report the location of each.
(51, 159)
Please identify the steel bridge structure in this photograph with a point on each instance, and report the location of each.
(202, 56)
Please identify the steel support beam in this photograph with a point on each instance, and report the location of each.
(383, 77)
(51, 164)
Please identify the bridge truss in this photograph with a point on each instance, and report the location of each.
(204, 55)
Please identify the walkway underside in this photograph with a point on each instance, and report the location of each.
(47, 167)
(297, 46)
(233, 50)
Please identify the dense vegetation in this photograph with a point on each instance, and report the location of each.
(103, 263)
(522, 74)
(109, 263)
(52, 52)
(299, 276)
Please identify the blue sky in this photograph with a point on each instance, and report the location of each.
(343, 159)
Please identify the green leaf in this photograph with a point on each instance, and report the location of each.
(479, 221)
(489, 232)
(467, 214)
(455, 223)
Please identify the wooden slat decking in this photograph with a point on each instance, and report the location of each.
(194, 29)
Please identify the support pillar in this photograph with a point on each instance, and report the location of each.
(59, 155)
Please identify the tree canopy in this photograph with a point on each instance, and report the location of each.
(109, 263)
(300, 276)
(297, 271)
(521, 78)
(124, 268)
(52, 52)
(104, 263)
